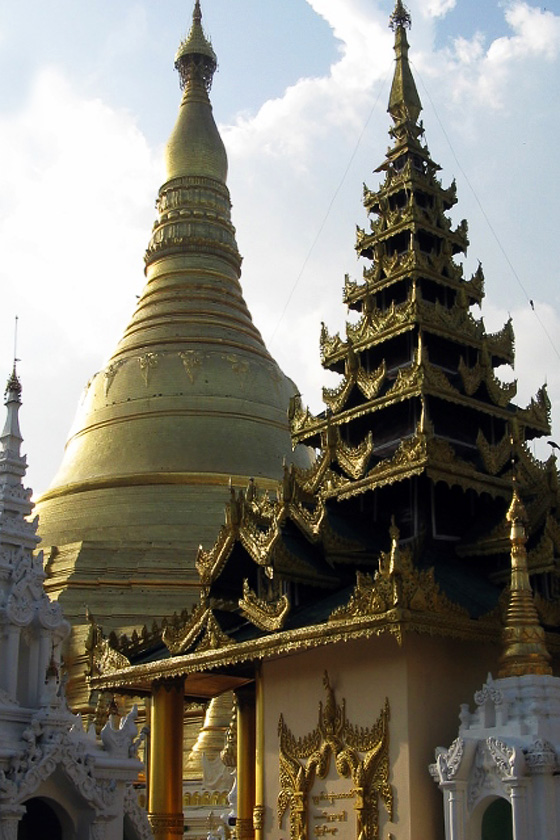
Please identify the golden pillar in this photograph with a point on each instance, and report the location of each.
(165, 802)
(258, 811)
(246, 743)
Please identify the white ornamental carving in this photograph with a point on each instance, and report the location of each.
(449, 761)
(541, 758)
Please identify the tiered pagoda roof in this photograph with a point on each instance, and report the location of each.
(420, 440)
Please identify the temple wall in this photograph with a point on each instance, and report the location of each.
(425, 682)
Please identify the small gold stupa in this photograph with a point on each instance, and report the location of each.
(190, 400)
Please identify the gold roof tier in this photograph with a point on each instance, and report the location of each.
(189, 399)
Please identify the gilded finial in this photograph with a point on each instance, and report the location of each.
(524, 646)
(13, 385)
(400, 17)
(196, 60)
(404, 102)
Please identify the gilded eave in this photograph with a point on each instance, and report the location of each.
(138, 679)
(376, 326)
(412, 381)
(397, 622)
(439, 269)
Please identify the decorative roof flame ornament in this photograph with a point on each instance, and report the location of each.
(524, 646)
(196, 60)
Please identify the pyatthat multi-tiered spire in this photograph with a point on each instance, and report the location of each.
(190, 398)
(420, 435)
(420, 417)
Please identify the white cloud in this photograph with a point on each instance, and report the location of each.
(478, 76)
(537, 32)
(289, 126)
(77, 194)
(80, 179)
(439, 8)
(469, 51)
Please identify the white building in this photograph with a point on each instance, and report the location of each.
(57, 781)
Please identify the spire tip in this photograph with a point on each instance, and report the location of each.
(400, 17)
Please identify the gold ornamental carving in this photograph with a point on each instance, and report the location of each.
(109, 374)
(398, 587)
(244, 829)
(148, 362)
(354, 460)
(266, 615)
(501, 344)
(360, 755)
(377, 325)
(258, 817)
(537, 413)
(501, 393)
(192, 361)
(494, 456)
(164, 825)
(200, 632)
(102, 656)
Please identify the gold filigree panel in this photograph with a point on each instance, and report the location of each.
(360, 755)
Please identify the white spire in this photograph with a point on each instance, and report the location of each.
(24, 604)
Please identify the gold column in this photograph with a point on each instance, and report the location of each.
(258, 811)
(245, 763)
(165, 802)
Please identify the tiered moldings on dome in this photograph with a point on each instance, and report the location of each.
(194, 217)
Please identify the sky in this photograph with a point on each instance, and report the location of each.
(88, 97)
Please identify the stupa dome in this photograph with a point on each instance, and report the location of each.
(189, 400)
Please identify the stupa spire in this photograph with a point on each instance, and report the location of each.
(524, 643)
(404, 102)
(11, 438)
(195, 148)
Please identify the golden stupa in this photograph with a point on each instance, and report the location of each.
(190, 400)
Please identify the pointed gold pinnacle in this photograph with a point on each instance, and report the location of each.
(524, 646)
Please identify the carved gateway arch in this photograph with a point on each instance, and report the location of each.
(359, 755)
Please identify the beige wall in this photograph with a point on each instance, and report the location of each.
(425, 681)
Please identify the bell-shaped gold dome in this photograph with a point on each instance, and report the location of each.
(190, 399)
